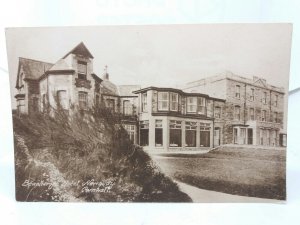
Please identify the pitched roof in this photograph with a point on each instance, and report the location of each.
(80, 49)
(109, 88)
(126, 90)
(61, 65)
(32, 69)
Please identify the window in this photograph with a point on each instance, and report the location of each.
(264, 100)
(144, 102)
(263, 115)
(276, 117)
(62, 99)
(191, 104)
(251, 113)
(163, 101)
(44, 102)
(175, 133)
(158, 133)
(144, 133)
(190, 134)
(82, 100)
(276, 100)
(131, 131)
(110, 104)
(252, 94)
(204, 134)
(82, 70)
(237, 112)
(127, 107)
(237, 91)
(21, 106)
(217, 112)
(174, 101)
(201, 106)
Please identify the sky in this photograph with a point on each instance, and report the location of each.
(163, 55)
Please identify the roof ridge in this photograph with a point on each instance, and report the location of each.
(35, 60)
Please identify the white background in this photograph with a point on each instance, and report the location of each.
(15, 13)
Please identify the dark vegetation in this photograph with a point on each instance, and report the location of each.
(246, 172)
(61, 152)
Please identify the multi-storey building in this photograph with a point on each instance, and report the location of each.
(170, 119)
(226, 109)
(253, 112)
(71, 83)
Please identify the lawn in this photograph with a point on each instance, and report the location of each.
(247, 172)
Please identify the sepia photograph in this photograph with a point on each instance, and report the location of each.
(152, 113)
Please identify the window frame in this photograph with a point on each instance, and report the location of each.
(188, 104)
(264, 99)
(217, 113)
(263, 115)
(144, 102)
(128, 108)
(175, 126)
(252, 94)
(82, 75)
(238, 91)
(161, 100)
(237, 107)
(84, 100)
(250, 114)
(191, 129)
(276, 100)
(174, 103)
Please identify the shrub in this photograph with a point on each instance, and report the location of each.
(85, 146)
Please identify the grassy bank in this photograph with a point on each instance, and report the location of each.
(247, 172)
(85, 157)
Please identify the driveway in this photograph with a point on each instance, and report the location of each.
(205, 196)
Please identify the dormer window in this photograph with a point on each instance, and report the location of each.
(82, 70)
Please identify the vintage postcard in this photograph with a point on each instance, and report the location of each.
(160, 113)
